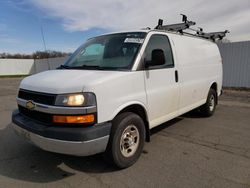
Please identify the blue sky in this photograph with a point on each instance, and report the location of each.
(20, 30)
(68, 23)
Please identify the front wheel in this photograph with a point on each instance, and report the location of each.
(127, 139)
(208, 108)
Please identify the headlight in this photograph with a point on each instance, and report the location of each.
(79, 99)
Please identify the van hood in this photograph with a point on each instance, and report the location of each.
(67, 81)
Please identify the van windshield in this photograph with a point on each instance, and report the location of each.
(107, 52)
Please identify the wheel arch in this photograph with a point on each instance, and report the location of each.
(214, 86)
(139, 109)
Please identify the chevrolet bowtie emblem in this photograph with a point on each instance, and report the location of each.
(30, 105)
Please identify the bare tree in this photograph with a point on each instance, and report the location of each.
(35, 55)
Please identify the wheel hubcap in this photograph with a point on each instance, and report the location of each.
(129, 141)
(211, 103)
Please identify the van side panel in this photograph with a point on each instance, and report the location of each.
(199, 66)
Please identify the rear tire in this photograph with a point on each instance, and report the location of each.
(209, 107)
(126, 140)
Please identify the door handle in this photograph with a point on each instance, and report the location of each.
(176, 76)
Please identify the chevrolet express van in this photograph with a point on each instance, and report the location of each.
(114, 89)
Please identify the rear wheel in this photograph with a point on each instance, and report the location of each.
(126, 141)
(209, 107)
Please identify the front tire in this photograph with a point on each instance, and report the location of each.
(209, 107)
(126, 141)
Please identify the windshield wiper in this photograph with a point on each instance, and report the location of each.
(63, 67)
(88, 67)
(92, 67)
(80, 67)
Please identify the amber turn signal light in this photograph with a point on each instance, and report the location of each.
(90, 118)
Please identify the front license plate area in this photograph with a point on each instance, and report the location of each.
(24, 134)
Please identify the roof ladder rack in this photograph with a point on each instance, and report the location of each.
(213, 35)
(179, 27)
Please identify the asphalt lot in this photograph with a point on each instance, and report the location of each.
(188, 151)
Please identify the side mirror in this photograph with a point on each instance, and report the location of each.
(157, 58)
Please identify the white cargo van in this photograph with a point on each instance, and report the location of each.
(114, 89)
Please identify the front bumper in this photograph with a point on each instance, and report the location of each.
(79, 141)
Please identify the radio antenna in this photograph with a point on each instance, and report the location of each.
(44, 44)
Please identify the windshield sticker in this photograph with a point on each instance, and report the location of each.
(133, 40)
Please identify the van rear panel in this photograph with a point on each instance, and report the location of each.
(199, 65)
